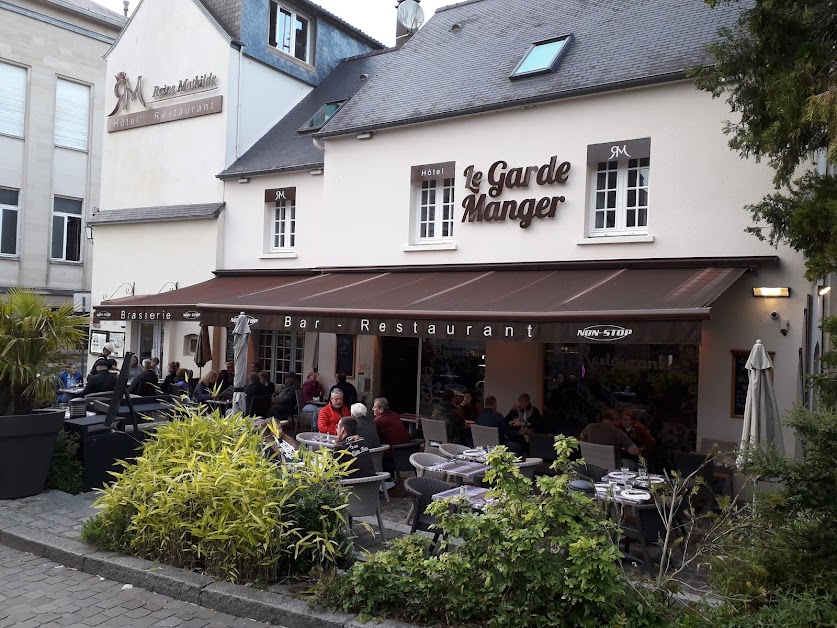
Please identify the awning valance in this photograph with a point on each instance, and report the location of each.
(624, 305)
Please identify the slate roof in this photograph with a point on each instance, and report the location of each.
(92, 9)
(284, 148)
(156, 214)
(441, 72)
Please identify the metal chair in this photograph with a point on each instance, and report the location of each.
(377, 455)
(590, 472)
(363, 498)
(703, 471)
(600, 455)
(485, 436)
(423, 461)
(423, 490)
(529, 466)
(435, 433)
(401, 456)
(452, 450)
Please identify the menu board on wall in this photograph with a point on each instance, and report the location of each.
(98, 339)
(345, 361)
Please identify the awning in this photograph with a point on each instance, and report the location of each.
(622, 305)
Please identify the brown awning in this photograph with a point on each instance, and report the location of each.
(627, 305)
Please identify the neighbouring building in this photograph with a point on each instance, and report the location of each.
(52, 90)
(476, 210)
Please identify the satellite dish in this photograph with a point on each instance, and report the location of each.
(410, 15)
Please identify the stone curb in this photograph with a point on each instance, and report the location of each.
(179, 584)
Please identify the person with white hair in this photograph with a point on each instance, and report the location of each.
(365, 426)
(147, 377)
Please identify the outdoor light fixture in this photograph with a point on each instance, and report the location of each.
(244, 180)
(367, 135)
(823, 290)
(316, 173)
(771, 292)
(89, 232)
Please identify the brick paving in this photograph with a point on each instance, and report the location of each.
(38, 593)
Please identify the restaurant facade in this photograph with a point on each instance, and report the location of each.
(476, 210)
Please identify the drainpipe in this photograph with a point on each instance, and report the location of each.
(317, 144)
(238, 103)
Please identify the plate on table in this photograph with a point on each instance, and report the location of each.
(621, 475)
(602, 487)
(635, 495)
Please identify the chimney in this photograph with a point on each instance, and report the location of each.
(409, 19)
(125, 4)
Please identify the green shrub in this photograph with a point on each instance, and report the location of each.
(528, 559)
(203, 496)
(65, 471)
(799, 610)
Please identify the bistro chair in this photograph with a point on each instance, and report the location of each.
(721, 446)
(423, 490)
(299, 405)
(600, 455)
(363, 498)
(422, 463)
(435, 434)
(589, 472)
(702, 470)
(529, 467)
(377, 455)
(485, 436)
(401, 456)
(258, 405)
(543, 446)
(452, 450)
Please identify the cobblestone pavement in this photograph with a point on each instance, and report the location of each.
(36, 592)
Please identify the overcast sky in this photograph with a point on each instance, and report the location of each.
(374, 17)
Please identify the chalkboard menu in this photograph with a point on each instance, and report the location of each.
(345, 362)
(741, 382)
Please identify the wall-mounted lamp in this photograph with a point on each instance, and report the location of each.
(316, 173)
(771, 292)
(367, 135)
(88, 231)
(823, 290)
(244, 180)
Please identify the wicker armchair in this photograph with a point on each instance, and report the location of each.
(600, 455)
(401, 456)
(589, 472)
(435, 434)
(363, 498)
(529, 466)
(377, 454)
(646, 528)
(451, 450)
(485, 436)
(423, 490)
(422, 462)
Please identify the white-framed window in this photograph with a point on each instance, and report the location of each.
(284, 225)
(72, 114)
(9, 211)
(290, 32)
(435, 210)
(66, 229)
(12, 99)
(619, 187)
(281, 352)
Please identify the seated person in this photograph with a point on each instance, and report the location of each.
(181, 381)
(146, 382)
(204, 390)
(391, 430)
(253, 387)
(113, 367)
(226, 380)
(350, 445)
(171, 376)
(312, 388)
(524, 416)
(284, 402)
(331, 413)
(469, 407)
(489, 417)
(348, 390)
(268, 388)
(605, 432)
(446, 411)
(639, 434)
(365, 426)
(102, 381)
(68, 378)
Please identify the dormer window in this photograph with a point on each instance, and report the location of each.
(323, 115)
(542, 57)
(290, 32)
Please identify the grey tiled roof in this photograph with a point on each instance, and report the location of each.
(157, 214)
(618, 43)
(284, 148)
(92, 9)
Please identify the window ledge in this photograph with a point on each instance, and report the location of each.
(627, 239)
(430, 246)
(66, 262)
(279, 255)
(11, 257)
(11, 135)
(292, 59)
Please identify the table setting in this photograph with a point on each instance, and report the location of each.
(628, 486)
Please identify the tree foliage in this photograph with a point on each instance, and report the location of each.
(776, 69)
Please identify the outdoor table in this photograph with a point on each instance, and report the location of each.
(321, 440)
(219, 404)
(72, 391)
(412, 422)
(474, 494)
(463, 471)
(613, 486)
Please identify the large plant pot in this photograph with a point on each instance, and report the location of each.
(26, 445)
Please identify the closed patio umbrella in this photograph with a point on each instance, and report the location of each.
(761, 414)
(203, 351)
(241, 339)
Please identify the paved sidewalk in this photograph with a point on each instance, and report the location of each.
(38, 593)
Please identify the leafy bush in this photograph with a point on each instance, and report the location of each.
(65, 471)
(528, 559)
(203, 496)
(800, 610)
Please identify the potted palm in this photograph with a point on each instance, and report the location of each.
(34, 339)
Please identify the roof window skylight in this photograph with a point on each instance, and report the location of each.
(323, 115)
(542, 57)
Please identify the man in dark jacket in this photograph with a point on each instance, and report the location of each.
(284, 402)
(491, 418)
(142, 384)
(349, 391)
(102, 381)
(351, 446)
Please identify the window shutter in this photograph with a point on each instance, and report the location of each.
(72, 114)
(12, 99)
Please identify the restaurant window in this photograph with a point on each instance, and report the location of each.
(72, 114)
(290, 32)
(66, 229)
(9, 209)
(433, 212)
(449, 364)
(280, 353)
(12, 99)
(619, 187)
